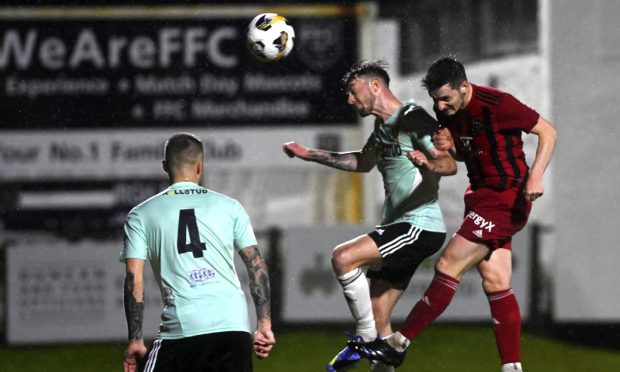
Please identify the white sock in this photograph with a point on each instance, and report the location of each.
(512, 367)
(399, 342)
(357, 294)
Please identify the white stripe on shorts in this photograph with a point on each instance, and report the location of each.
(403, 240)
(150, 364)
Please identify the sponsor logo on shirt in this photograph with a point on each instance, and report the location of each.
(187, 192)
(466, 141)
(480, 221)
(201, 275)
(478, 233)
(390, 150)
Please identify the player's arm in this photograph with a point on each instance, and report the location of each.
(547, 135)
(443, 141)
(356, 161)
(133, 294)
(260, 290)
(440, 162)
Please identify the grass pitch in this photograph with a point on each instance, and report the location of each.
(440, 348)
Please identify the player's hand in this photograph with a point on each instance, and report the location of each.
(135, 351)
(533, 189)
(264, 340)
(293, 149)
(442, 139)
(418, 158)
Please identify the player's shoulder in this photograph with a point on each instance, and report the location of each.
(414, 118)
(148, 202)
(489, 96)
(224, 202)
(222, 197)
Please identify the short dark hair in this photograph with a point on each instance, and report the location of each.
(445, 70)
(375, 68)
(182, 149)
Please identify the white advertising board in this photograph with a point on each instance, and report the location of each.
(132, 153)
(312, 293)
(73, 292)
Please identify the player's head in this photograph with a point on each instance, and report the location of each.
(363, 82)
(183, 158)
(446, 83)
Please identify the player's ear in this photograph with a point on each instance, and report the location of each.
(164, 166)
(199, 167)
(375, 84)
(464, 88)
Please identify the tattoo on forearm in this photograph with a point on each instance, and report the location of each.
(345, 161)
(134, 310)
(259, 281)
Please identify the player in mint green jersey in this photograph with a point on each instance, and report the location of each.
(412, 226)
(190, 235)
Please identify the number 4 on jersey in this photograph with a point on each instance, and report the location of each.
(187, 224)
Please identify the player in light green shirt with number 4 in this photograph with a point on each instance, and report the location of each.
(190, 234)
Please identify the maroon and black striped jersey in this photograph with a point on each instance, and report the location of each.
(487, 135)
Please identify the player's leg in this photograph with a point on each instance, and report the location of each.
(404, 247)
(347, 260)
(496, 273)
(384, 296)
(459, 255)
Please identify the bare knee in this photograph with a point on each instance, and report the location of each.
(341, 261)
(442, 265)
(449, 266)
(494, 282)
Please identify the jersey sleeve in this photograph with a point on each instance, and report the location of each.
(415, 119)
(516, 115)
(419, 124)
(243, 232)
(134, 240)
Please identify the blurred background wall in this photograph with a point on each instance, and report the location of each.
(90, 93)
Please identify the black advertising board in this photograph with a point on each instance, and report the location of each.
(140, 67)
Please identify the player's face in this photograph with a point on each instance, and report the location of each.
(448, 100)
(360, 96)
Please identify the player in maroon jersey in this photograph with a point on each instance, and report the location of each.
(482, 126)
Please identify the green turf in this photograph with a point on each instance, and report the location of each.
(439, 348)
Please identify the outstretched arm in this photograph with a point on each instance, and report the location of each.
(134, 312)
(264, 338)
(547, 135)
(356, 161)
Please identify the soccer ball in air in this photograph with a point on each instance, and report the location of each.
(270, 37)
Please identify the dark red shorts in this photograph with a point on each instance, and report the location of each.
(493, 217)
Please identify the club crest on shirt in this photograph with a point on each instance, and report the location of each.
(477, 127)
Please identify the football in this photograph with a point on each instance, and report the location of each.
(270, 37)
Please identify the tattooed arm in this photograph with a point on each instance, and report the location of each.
(133, 294)
(357, 161)
(261, 294)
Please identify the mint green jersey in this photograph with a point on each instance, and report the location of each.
(190, 234)
(410, 192)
